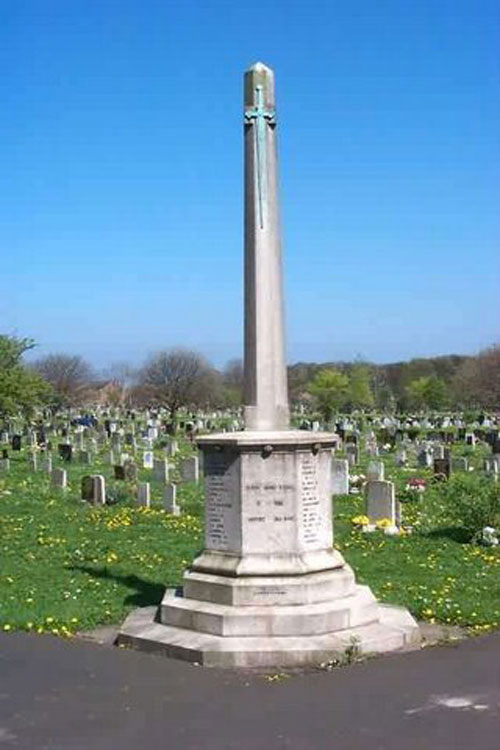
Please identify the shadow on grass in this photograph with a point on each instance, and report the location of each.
(454, 533)
(145, 593)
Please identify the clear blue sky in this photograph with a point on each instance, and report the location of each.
(121, 179)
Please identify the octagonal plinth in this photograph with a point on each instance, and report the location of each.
(267, 504)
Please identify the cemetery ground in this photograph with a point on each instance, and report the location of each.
(68, 566)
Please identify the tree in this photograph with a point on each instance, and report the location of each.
(360, 392)
(427, 392)
(232, 379)
(177, 378)
(69, 375)
(21, 389)
(477, 383)
(329, 389)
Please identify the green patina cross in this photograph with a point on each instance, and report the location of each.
(261, 117)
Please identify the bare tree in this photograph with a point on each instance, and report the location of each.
(176, 378)
(477, 383)
(68, 375)
(233, 382)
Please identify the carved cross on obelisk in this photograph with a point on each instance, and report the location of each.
(261, 117)
(266, 397)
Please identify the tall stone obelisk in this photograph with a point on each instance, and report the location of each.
(268, 588)
(266, 397)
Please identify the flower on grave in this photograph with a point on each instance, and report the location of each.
(489, 537)
(360, 521)
(384, 523)
(416, 485)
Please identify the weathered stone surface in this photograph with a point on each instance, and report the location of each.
(380, 501)
(340, 476)
(267, 504)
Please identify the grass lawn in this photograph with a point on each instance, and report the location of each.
(66, 566)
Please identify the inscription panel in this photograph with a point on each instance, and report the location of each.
(222, 501)
(311, 521)
(269, 503)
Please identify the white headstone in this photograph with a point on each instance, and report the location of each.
(340, 476)
(375, 471)
(380, 501)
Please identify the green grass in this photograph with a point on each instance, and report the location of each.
(66, 566)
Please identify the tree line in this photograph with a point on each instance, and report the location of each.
(178, 378)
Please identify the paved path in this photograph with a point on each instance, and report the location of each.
(72, 695)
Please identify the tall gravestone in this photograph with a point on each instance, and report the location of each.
(268, 588)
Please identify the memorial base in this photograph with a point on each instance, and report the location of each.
(391, 629)
(268, 590)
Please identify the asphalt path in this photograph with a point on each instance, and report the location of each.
(75, 695)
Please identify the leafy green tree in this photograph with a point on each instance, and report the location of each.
(436, 393)
(21, 389)
(329, 389)
(360, 392)
(427, 392)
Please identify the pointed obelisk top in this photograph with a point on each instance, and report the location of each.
(257, 75)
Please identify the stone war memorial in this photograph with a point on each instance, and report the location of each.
(268, 589)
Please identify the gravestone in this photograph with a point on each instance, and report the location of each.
(169, 500)
(16, 442)
(459, 464)
(441, 468)
(130, 470)
(87, 489)
(425, 458)
(144, 495)
(147, 460)
(438, 451)
(119, 472)
(160, 470)
(65, 452)
(59, 478)
(340, 477)
(381, 501)
(94, 489)
(352, 454)
(401, 457)
(84, 457)
(268, 583)
(99, 489)
(172, 447)
(375, 471)
(190, 469)
(5, 465)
